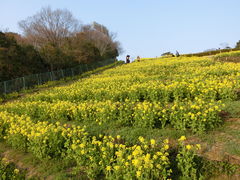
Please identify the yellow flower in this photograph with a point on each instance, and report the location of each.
(164, 158)
(141, 139)
(136, 162)
(158, 166)
(118, 136)
(82, 145)
(198, 146)
(118, 153)
(4, 159)
(111, 145)
(188, 146)
(153, 142)
(147, 157)
(108, 168)
(182, 138)
(138, 173)
(166, 147)
(116, 168)
(129, 157)
(166, 141)
(73, 146)
(16, 171)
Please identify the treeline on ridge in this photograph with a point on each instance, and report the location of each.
(51, 40)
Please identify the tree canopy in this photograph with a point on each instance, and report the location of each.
(54, 39)
(62, 41)
(18, 60)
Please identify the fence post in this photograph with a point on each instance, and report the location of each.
(24, 83)
(62, 73)
(101, 64)
(80, 70)
(38, 79)
(86, 66)
(51, 77)
(90, 67)
(5, 87)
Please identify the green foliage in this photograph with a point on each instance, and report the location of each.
(18, 60)
(209, 53)
(86, 52)
(181, 93)
(55, 57)
(198, 116)
(9, 171)
(211, 169)
(186, 160)
(238, 45)
(233, 56)
(167, 54)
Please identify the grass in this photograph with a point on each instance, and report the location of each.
(131, 134)
(233, 148)
(225, 140)
(233, 108)
(37, 169)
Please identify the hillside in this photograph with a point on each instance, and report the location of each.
(131, 122)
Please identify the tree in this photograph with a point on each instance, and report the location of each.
(19, 39)
(61, 41)
(49, 26)
(224, 45)
(47, 31)
(18, 60)
(82, 49)
(167, 54)
(238, 45)
(102, 39)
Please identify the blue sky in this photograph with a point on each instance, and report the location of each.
(145, 27)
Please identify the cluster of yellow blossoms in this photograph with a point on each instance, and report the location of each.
(198, 115)
(148, 159)
(9, 171)
(184, 93)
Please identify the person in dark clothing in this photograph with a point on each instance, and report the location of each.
(177, 54)
(128, 59)
(138, 59)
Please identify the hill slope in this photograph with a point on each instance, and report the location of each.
(160, 98)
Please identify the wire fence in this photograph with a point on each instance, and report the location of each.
(29, 81)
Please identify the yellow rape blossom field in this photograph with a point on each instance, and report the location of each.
(89, 123)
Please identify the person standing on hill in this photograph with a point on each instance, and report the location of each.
(138, 58)
(128, 59)
(177, 54)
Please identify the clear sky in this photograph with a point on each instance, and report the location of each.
(146, 28)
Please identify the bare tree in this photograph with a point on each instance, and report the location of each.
(101, 37)
(60, 38)
(49, 27)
